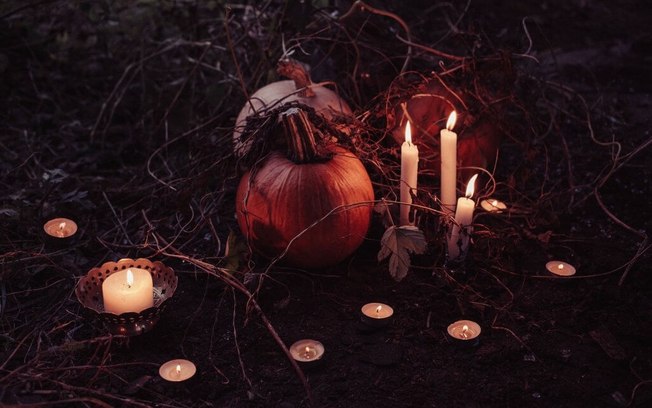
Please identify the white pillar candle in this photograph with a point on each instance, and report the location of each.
(459, 240)
(130, 290)
(409, 168)
(448, 156)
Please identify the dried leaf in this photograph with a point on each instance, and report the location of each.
(397, 244)
(234, 251)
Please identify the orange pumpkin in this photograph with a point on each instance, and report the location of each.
(312, 205)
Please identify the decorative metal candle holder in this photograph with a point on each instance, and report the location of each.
(89, 293)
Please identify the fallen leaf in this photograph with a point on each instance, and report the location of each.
(397, 244)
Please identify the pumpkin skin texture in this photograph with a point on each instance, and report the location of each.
(281, 199)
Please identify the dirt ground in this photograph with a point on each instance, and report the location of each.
(119, 115)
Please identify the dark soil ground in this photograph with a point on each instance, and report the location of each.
(119, 114)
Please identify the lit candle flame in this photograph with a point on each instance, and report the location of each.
(452, 118)
(560, 266)
(494, 203)
(408, 133)
(178, 369)
(130, 278)
(470, 188)
(62, 227)
(465, 332)
(308, 352)
(378, 309)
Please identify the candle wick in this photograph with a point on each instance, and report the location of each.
(464, 334)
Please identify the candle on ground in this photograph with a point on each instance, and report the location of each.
(60, 227)
(177, 370)
(465, 330)
(409, 169)
(493, 205)
(458, 241)
(377, 311)
(560, 268)
(130, 290)
(377, 314)
(448, 156)
(307, 350)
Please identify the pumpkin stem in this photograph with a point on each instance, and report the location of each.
(294, 70)
(300, 136)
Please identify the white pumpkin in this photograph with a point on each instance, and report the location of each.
(297, 89)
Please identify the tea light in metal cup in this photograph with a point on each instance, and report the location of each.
(560, 268)
(307, 350)
(60, 228)
(466, 331)
(177, 370)
(493, 206)
(377, 314)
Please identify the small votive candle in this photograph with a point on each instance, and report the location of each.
(177, 370)
(307, 350)
(377, 314)
(466, 331)
(493, 206)
(560, 268)
(60, 227)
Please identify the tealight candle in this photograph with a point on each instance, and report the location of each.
(448, 156)
(464, 330)
(493, 205)
(458, 241)
(560, 268)
(177, 370)
(307, 350)
(377, 314)
(60, 227)
(409, 169)
(130, 290)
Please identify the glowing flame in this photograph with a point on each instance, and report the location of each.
(379, 308)
(308, 352)
(465, 332)
(560, 266)
(178, 369)
(494, 203)
(470, 188)
(452, 118)
(61, 231)
(130, 278)
(408, 133)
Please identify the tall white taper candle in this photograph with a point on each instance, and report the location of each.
(448, 155)
(409, 169)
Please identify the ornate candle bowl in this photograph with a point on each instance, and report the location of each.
(89, 293)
